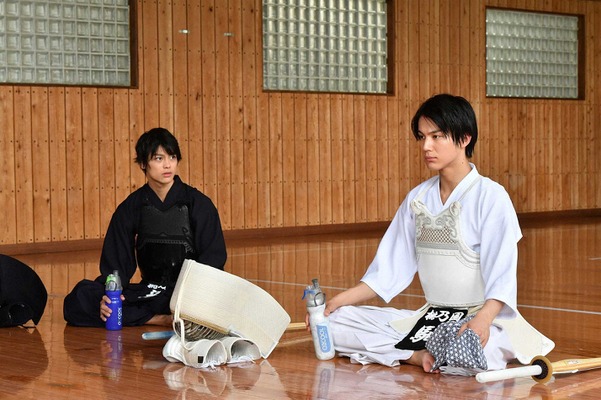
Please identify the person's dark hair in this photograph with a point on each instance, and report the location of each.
(149, 143)
(454, 116)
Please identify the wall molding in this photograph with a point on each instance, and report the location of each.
(258, 236)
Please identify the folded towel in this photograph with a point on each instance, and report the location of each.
(448, 349)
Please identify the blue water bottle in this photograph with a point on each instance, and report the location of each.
(113, 291)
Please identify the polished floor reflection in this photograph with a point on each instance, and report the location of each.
(559, 293)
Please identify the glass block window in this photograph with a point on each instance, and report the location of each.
(67, 42)
(532, 55)
(325, 45)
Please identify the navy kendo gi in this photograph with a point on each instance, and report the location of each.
(157, 237)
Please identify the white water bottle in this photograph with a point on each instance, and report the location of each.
(320, 324)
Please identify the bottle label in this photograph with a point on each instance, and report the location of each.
(324, 338)
(115, 320)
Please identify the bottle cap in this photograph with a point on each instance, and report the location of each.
(313, 294)
(113, 282)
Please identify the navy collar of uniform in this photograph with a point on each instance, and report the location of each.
(173, 195)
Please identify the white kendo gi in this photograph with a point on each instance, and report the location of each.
(465, 252)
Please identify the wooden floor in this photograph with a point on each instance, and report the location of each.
(559, 293)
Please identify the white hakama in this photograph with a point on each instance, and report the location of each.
(364, 334)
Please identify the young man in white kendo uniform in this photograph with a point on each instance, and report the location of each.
(459, 231)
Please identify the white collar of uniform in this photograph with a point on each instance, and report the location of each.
(460, 189)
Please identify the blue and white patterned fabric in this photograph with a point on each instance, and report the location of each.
(463, 351)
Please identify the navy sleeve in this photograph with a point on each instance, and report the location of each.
(118, 250)
(209, 241)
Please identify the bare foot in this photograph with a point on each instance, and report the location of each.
(422, 358)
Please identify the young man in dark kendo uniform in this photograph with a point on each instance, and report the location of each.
(156, 228)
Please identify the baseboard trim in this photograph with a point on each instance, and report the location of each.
(232, 237)
(246, 235)
(50, 247)
(249, 236)
(550, 217)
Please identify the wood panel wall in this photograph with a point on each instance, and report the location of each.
(277, 160)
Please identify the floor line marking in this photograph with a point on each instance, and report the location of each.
(417, 295)
(322, 286)
(561, 309)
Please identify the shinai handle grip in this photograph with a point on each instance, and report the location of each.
(536, 369)
(510, 373)
(158, 335)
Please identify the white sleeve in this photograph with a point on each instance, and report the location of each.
(394, 264)
(500, 233)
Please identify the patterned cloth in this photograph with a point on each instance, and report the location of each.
(463, 351)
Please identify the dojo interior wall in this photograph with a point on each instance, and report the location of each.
(287, 160)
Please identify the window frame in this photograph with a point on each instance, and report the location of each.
(580, 57)
(388, 64)
(132, 52)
